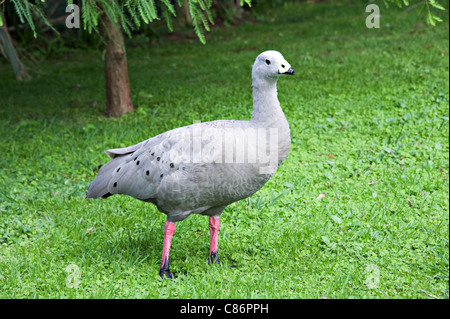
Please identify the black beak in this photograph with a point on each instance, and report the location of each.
(290, 71)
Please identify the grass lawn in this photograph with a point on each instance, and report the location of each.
(368, 111)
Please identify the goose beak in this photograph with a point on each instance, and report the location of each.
(290, 71)
(284, 67)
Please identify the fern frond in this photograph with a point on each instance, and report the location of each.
(168, 11)
(170, 7)
(140, 12)
(40, 13)
(131, 8)
(90, 14)
(125, 22)
(201, 16)
(195, 14)
(23, 11)
(27, 10)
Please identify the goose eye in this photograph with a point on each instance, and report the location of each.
(267, 62)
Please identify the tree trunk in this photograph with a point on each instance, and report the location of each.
(118, 92)
(187, 14)
(238, 10)
(10, 52)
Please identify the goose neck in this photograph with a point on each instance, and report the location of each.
(266, 107)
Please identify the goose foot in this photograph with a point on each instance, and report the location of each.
(213, 258)
(164, 271)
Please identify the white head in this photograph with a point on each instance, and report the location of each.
(270, 65)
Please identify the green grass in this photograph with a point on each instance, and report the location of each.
(368, 110)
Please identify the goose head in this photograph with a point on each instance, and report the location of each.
(271, 64)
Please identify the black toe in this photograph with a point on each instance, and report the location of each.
(213, 258)
(165, 270)
(165, 273)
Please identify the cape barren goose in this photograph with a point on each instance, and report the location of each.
(202, 168)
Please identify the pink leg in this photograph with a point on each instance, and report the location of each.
(214, 225)
(169, 230)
